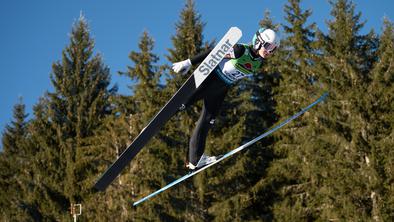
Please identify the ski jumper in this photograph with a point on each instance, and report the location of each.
(240, 63)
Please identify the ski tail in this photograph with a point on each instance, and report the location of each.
(171, 107)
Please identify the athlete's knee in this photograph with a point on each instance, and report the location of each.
(209, 120)
(182, 107)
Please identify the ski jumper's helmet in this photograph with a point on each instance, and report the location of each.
(266, 38)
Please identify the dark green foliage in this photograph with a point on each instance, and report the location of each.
(335, 163)
(14, 168)
(76, 109)
(188, 41)
(148, 169)
(378, 114)
(286, 177)
(61, 155)
(327, 153)
(342, 175)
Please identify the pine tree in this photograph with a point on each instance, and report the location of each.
(293, 92)
(188, 40)
(147, 76)
(15, 133)
(112, 137)
(149, 169)
(380, 117)
(65, 123)
(14, 168)
(44, 194)
(333, 152)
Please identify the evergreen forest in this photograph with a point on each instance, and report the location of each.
(334, 163)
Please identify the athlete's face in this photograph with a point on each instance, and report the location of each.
(265, 53)
(264, 46)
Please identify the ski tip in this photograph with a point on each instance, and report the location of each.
(138, 202)
(236, 30)
(325, 95)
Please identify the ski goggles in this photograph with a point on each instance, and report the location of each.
(269, 47)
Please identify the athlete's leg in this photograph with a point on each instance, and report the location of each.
(213, 99)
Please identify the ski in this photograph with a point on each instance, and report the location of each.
(176, 103)
(236, 150)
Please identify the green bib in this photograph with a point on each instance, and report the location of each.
(246, 63)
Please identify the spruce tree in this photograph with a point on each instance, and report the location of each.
(15, 132)
(15, 171)
(333, 152)
(111, 139)
(188, 40)
(148, 169)
(294, 92)
(45, 195)
(66, 121)
(378, 112)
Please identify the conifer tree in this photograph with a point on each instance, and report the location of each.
(379, 114)
(332, 155)
(146, 74)
(66, 161)
(148, 170)
(188, 40)
(14, 168)
(45, 194)
(15, 133)
(112, 137)
(294, 91)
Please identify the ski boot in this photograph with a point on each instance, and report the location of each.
(204, 160)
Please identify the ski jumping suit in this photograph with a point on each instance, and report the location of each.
(241, 62)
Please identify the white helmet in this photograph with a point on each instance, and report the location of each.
(266, 38)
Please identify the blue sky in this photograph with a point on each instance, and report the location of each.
(33, 34)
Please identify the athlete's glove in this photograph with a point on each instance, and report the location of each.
(182, 67)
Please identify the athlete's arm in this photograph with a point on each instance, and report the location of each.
(237, 51)
(200, 57)
(184, 66)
